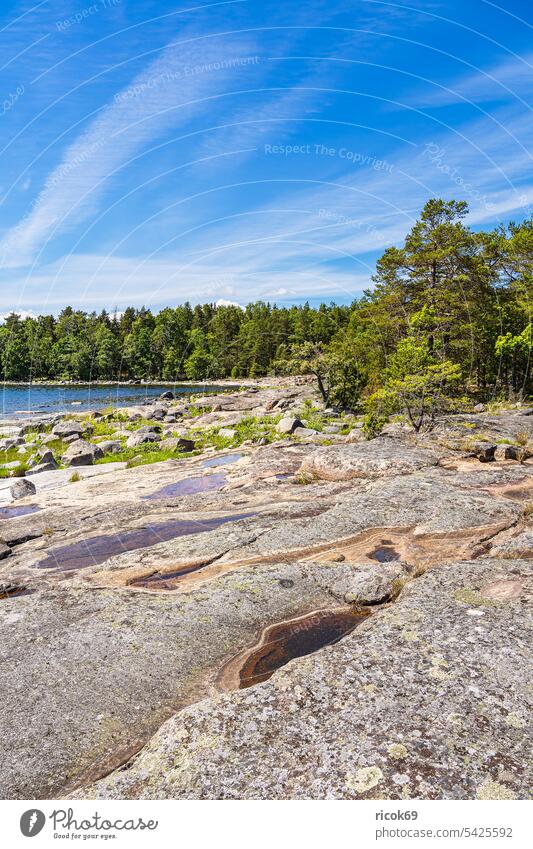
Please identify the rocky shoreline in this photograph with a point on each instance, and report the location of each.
(151, 556)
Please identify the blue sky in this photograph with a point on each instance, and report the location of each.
(157, 152)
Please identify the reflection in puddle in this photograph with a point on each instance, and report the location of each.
(90, 552)
(296, 638)
(385, 553)
(13, 512)
(13, 590)
(225, 460)
(189, 486)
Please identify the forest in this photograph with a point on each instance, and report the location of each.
(447, 315)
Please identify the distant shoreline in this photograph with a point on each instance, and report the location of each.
(246, 381)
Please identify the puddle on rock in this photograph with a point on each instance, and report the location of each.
(13, 590)
(285, 641)
(225, 460)
(13, 512)
(95, 550)
(385, 553)
(189, 486)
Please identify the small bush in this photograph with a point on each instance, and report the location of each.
(373, 424)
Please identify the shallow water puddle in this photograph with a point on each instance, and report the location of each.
(189, 486)
(225, 460)
(385, 553)
(13, 591)
(13, 512)
(95, 550)
(288, 640)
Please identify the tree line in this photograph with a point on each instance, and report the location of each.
(449, 309)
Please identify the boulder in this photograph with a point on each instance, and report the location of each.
(42, 467)
(67, 428)
(22, 488)
(149, 429)
(110, 446)
(288, 424)
(68, 440)
(12, 442)
(227, 433)
(81, 453)
(479, 408)
(167, 396)
(304, 431)
(140, 438)
(360, 583)
(170, 444)
(50, 437)
(45, 462)
(485, 451)
(186, 444)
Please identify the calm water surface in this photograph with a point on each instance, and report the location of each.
(29, 400)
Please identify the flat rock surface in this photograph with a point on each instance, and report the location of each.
(378, 458)
(426, 699)
(128, 592)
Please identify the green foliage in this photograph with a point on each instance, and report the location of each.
(465, 296)
(419, 383)
(335, 369)
(375, 418)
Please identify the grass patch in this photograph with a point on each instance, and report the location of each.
(143, 455)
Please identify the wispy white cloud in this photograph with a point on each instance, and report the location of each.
(93, 282)
(168, 92)
(508, 80)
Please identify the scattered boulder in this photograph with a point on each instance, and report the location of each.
(227, 433)
(68, 440)
(511, 452)
(110, 446)
(186, 444)
(81, 453)
(177, 443)
(288, 424)
(479, 408)
(149, 429)
(22, 488)
(140, 438)
(42, 467)
(365, 585)
(67, 428)
(485, 451)
(45, 457)
(167, 396)
(304, 431)
(50, 437)
(12, 442)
